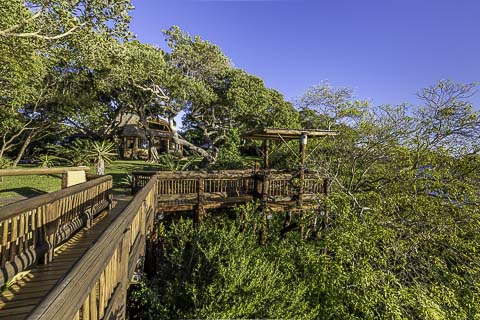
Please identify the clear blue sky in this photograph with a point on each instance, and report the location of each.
(385, 50)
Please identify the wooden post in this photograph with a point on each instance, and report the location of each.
(64, 180)
(266, 154)
(264, 208)
(135, 148)
(303, 150)
(48, 235)
(200, 212)
(124, 280)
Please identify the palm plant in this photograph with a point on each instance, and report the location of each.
(171, 163)
(74, 154)
(101, 153)
(5, 162)
(48, 161)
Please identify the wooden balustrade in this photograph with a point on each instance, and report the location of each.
(183, 187)
(96, 287)
(31, 229)
(39, 171)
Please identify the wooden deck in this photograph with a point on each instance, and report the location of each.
(198, 191)
(63, 257)
(21, 297)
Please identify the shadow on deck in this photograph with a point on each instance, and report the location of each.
(18, 299)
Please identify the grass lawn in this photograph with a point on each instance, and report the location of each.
(120, 169)
(30, 186)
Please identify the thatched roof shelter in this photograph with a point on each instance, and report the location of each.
(286, 134)
(131, 130)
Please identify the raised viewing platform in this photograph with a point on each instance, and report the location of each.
(197, 190)
(71, 254)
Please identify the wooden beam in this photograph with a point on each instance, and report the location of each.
(266, 154)
(11, 210)
(39, 171)
(303, 152)
(286, 134)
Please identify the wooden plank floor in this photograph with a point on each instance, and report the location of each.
(20, 298)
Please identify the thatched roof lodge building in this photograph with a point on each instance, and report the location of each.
(133, 142)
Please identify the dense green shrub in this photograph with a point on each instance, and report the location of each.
(5, 162)
(358, 267)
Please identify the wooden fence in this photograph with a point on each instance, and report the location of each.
(30, 230)
(70, 175)
(203, 187)
(96, 287)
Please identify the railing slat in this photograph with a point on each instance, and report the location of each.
(32, 228)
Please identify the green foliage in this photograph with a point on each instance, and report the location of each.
(229, 156)
(5, 162)
(396, 238)
(169, 162)
(75, 154)
(47, 20)
(143, 303)
(49, 161)
(101, 153)
(375, 265)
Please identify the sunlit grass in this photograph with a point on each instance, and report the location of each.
(29, 186)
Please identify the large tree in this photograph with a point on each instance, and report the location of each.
(54, 20)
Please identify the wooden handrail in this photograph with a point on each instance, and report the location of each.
(185, 182)
(39, 171)
(13, 209)
(96, 286)
(31, 229)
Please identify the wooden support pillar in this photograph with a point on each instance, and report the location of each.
(266, 154)
(303, 152)
(264, 208)
(123, 147)
(64, 180)
(152, 252)
(47, 233)
(286, 223)
(135, 148)
(200, 212)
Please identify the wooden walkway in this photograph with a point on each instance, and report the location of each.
(63, 256)
(20, 298)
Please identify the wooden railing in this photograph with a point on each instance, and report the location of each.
(70, 175)
(39, 171)
(286, 186)
(96, 287)
(190, 185)
(31, 229)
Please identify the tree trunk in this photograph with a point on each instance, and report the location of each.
(101, 167)
(153, 154)
(25, 144)
(2, 149)
(180, 141)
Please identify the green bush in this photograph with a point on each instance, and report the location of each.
(358, 266)
(5, 162)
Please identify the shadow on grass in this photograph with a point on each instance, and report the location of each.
(140, 167)
(24, 192)
(121, 184)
